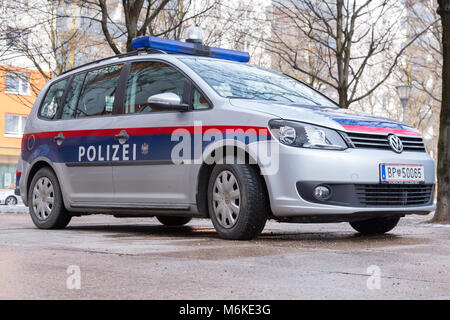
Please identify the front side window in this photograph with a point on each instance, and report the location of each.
(52, 99)
(147, 79)
(15, 124)
(199, 101)
(241, 81)
(17, 82)
(97, 96)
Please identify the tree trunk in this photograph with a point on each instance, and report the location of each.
(342, 80)
(343, 96)
(442, 214)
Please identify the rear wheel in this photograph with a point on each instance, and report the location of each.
(45, 201)
(237, 201)
(375, 225)
(173, 221)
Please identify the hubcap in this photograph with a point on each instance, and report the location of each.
(11, 201)
(226, 199)
(43, 198)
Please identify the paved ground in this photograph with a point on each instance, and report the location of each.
(139, 258)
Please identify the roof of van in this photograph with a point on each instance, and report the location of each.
(129, 56)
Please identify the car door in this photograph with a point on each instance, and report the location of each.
(146, 172)
(86, 136)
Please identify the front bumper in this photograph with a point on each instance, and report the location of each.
(369, 195)
(352, 167)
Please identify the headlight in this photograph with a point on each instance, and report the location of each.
(298, 134)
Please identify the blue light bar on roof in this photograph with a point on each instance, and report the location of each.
(174, 46)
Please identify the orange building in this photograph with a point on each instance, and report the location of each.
(18, 90)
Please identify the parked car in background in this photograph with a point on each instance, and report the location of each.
(7, 197)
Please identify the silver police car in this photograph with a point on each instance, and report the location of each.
(179, 130)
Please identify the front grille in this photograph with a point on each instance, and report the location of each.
(394, 194)
(379, 141)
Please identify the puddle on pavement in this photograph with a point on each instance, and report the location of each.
(147, 232)
(222, 253)
(340, 240)
(269, 240)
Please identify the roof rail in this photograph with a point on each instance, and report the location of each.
(122, 55)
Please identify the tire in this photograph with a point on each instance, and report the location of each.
(241, 212)
(11, 201)
(376, 225)
(43, 188)
(173, 220)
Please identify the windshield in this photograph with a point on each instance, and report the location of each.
(237, 80)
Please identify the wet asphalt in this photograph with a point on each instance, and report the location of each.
(102, 257)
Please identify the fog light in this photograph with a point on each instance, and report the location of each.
(322, 193)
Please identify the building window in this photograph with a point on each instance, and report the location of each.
(14, 124)
(15, 4)
(17, 82)
(22, 3)
(7, 176)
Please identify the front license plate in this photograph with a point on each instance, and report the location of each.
(402, 173)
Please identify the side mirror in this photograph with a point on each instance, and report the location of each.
(167, 101)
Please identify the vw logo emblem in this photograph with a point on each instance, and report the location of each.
(395, 143)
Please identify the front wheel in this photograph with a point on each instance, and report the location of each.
(45, 201)
(375, 225)
(237, 201)
(11, 201)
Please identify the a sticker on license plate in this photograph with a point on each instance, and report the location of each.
(402, 173)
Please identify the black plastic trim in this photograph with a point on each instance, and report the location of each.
(119, 163)
(346, 194)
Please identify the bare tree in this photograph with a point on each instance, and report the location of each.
(123, 21)
(35, 36)
(49, 34)
(421, 68)
(427, 53)
(442, 214)
(53, 36)
(239, 25)
(336, 42)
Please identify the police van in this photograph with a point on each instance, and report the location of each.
(178, 130)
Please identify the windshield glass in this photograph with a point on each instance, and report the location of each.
(236, 80)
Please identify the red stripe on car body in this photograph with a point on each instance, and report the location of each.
(149, 131)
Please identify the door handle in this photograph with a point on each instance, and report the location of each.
(122, 137)
(59, 138)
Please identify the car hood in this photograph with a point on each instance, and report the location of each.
(339, 119)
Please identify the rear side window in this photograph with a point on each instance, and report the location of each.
(97, 96)
(70, 103)
(147, 79)
(52, 99)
